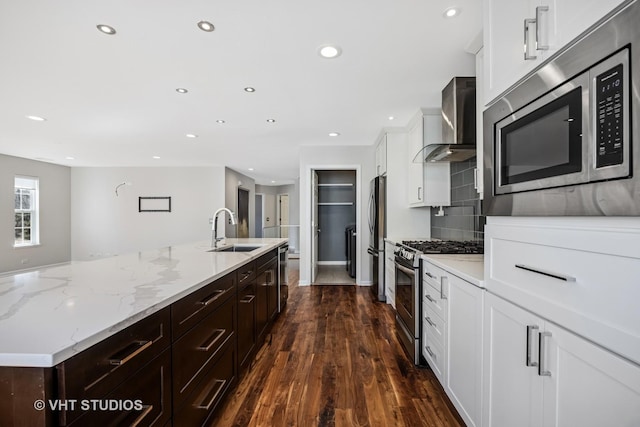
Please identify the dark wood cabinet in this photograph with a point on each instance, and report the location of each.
(246, 324)
(267, 292)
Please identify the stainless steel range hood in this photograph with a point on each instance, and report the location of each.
(458, 124)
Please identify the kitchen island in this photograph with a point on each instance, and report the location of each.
(53, 316)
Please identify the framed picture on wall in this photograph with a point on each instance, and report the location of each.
(243, 212)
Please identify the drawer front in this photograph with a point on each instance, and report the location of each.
(266, 259)
(97, 371)
(191, 309)
(143, 400)
(432, 275)
(434, 324)
(246, 274)
(434, 354)
(433, 299)
(201, 347)
(203, 401)
(575, 278)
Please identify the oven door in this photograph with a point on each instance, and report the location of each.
(544, 144)
(406, 297)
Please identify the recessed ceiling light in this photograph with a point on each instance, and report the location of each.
(221, 121)
(249, 89)
(106, 29)
(391, 118)
(181, 90)
(37, 118)
(70, 158)
(273, 182)
(206, 26)
(329, 51)
(334, 134)
(251, 169)
(156, 157)
(271, 120)
(451, 12)
(191, 135)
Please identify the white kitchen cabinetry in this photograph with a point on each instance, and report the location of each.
(452, 338)
(428, 184)
(390, 273)
(542, 27)
(479, 123)
(381, 155)
(538, 373)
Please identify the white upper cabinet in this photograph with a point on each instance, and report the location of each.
(519, 35)
(381, 155)
(428, 184)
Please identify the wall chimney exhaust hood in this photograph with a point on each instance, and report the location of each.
(458, 124)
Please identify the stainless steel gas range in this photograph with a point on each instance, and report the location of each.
(409, 285)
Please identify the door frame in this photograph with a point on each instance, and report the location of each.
(307, 230)
(261, 195)
(279, 213)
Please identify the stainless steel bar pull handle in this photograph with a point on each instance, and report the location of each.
(527, 44)
(539, 44)
(542, 349)
(558, 276)
(429, 321)
(530, 330)
(430, 298)
(430, 352)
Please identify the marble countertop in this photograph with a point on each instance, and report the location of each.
(466, 267)
(51, 313)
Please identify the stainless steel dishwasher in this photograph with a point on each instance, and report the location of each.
(283, 279)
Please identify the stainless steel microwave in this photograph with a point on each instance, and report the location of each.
(561, 141)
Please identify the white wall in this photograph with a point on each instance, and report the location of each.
(104, 224)
(359, 158)
(402, 222)
(55, 242)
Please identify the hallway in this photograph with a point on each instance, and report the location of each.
(334, 360)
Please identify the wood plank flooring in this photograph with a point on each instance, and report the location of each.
(334, 360)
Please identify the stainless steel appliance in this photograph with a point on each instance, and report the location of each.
(283, 277)
(378, 231)
(409, 286)
(561, 142)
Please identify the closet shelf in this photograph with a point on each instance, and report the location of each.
(335, 203)
(336, 185)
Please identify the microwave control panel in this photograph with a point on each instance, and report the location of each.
(609, 123)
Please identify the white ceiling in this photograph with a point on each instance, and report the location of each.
(111, 100)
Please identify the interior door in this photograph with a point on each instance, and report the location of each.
(314, 226)
(283, 217)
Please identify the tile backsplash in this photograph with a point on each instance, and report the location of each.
(463, 220)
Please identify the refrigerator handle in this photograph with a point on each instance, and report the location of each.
(371, 200)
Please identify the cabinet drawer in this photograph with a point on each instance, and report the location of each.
(433, 299)
(143, 400)
(211, 390)
(201, 347)
(246, 324)
(190, 310)
(246, 274)
(263, 262)
(584, 280)
(434, 354)
(97, 371)
(434, 324)
(432, 275)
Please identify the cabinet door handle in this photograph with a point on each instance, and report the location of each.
(419, 193)
(131, 351)
(542, 353)
(218, 386)
(430, 298)
(527, 45)
(430, 352)
(247, 299)
(211, 298)
(443, 280)
(429, 321)
(142, 416)
(219, 333)
(558, 276)
(431, 275)
(530, 329)
(539, 44)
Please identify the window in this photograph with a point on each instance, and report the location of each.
(26, 211)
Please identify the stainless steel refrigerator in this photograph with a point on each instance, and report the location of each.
(378, 231)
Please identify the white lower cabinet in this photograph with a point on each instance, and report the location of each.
(390, 273)
(452, 338)
(537, 373)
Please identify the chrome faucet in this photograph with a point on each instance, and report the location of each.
(215, 239)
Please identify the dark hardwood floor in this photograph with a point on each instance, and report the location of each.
(334, 360)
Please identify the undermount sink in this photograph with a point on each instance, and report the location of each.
(238, 247)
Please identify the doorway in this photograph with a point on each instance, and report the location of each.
(334, 216)
(283, 214)
(259, 206)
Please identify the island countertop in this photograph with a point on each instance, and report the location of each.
(49, 314)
